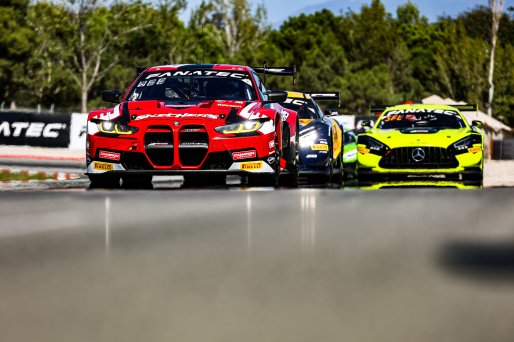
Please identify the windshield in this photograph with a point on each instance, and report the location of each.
(421, 118)
(304, 108)
(194, 85)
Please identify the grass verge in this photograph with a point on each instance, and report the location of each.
(7, 176)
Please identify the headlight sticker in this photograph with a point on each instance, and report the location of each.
(363, 150)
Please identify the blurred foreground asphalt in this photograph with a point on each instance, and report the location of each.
(300, 265)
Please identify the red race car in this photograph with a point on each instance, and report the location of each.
(200, 121)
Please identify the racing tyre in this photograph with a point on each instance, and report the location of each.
(255, 179)
(365, 177)
(291, 155)
(477, 177)
(137, 182)
(104, 181)
(349, 171)
(337, 176)
(204, 180)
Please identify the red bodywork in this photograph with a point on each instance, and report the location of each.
(183, 137)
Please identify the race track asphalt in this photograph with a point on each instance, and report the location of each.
(293, 265)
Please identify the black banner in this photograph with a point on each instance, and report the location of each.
(35, 129)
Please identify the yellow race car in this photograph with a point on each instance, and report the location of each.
(421, 139)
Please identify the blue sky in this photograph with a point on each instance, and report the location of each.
(281, 10)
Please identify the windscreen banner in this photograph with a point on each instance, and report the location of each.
(35, 129)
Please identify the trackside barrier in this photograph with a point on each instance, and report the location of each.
(68, 130)
(78, 131)
(503, 149)
(35, 129)
(24, 128)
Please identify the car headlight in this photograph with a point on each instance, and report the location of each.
(467, 142)
(307, 140)
(110, 127)
(240, 127)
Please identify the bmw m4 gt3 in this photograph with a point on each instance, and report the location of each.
(422, 139)
(200, 121)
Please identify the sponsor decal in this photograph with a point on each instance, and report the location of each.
(109, 155)
(244, 155)
(284, 114)
(271, 144)
(475, 149)
(421, 110)
(362, 150)
(214, 73)
(102, 166)
(249, 166)
(305, 122)
(296, 101)
(228, 105)
(31, 129)
(311, 156)
(176, 116)
(319, 147)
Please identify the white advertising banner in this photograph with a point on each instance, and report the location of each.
(78, 131)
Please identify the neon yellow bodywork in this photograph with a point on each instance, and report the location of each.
(472, 158)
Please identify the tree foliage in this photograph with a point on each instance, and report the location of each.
(65, 52)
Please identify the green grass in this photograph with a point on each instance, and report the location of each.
(7, 176)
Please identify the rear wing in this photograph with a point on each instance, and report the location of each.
(326, 96)
(276, 71)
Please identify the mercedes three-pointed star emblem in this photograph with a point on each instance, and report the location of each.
(418, 154)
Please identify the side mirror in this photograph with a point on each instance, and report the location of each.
(112, 96)
(276, 96)
(365, 123)
(477, 124)
(331, 112)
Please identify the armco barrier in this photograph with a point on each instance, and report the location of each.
(35, 129)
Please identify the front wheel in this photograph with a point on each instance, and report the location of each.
(338, 173)
(137, 182)
(291, 155)
(203, 180)
(106, 181)
(256, 179)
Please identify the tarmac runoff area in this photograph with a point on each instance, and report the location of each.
(307, 265)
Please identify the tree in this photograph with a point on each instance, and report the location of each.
(16, 40)
(496, 13)
(232, 25)
(88, 34)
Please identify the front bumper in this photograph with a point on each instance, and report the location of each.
(237, 168)
(169, 153)
(472, 163)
